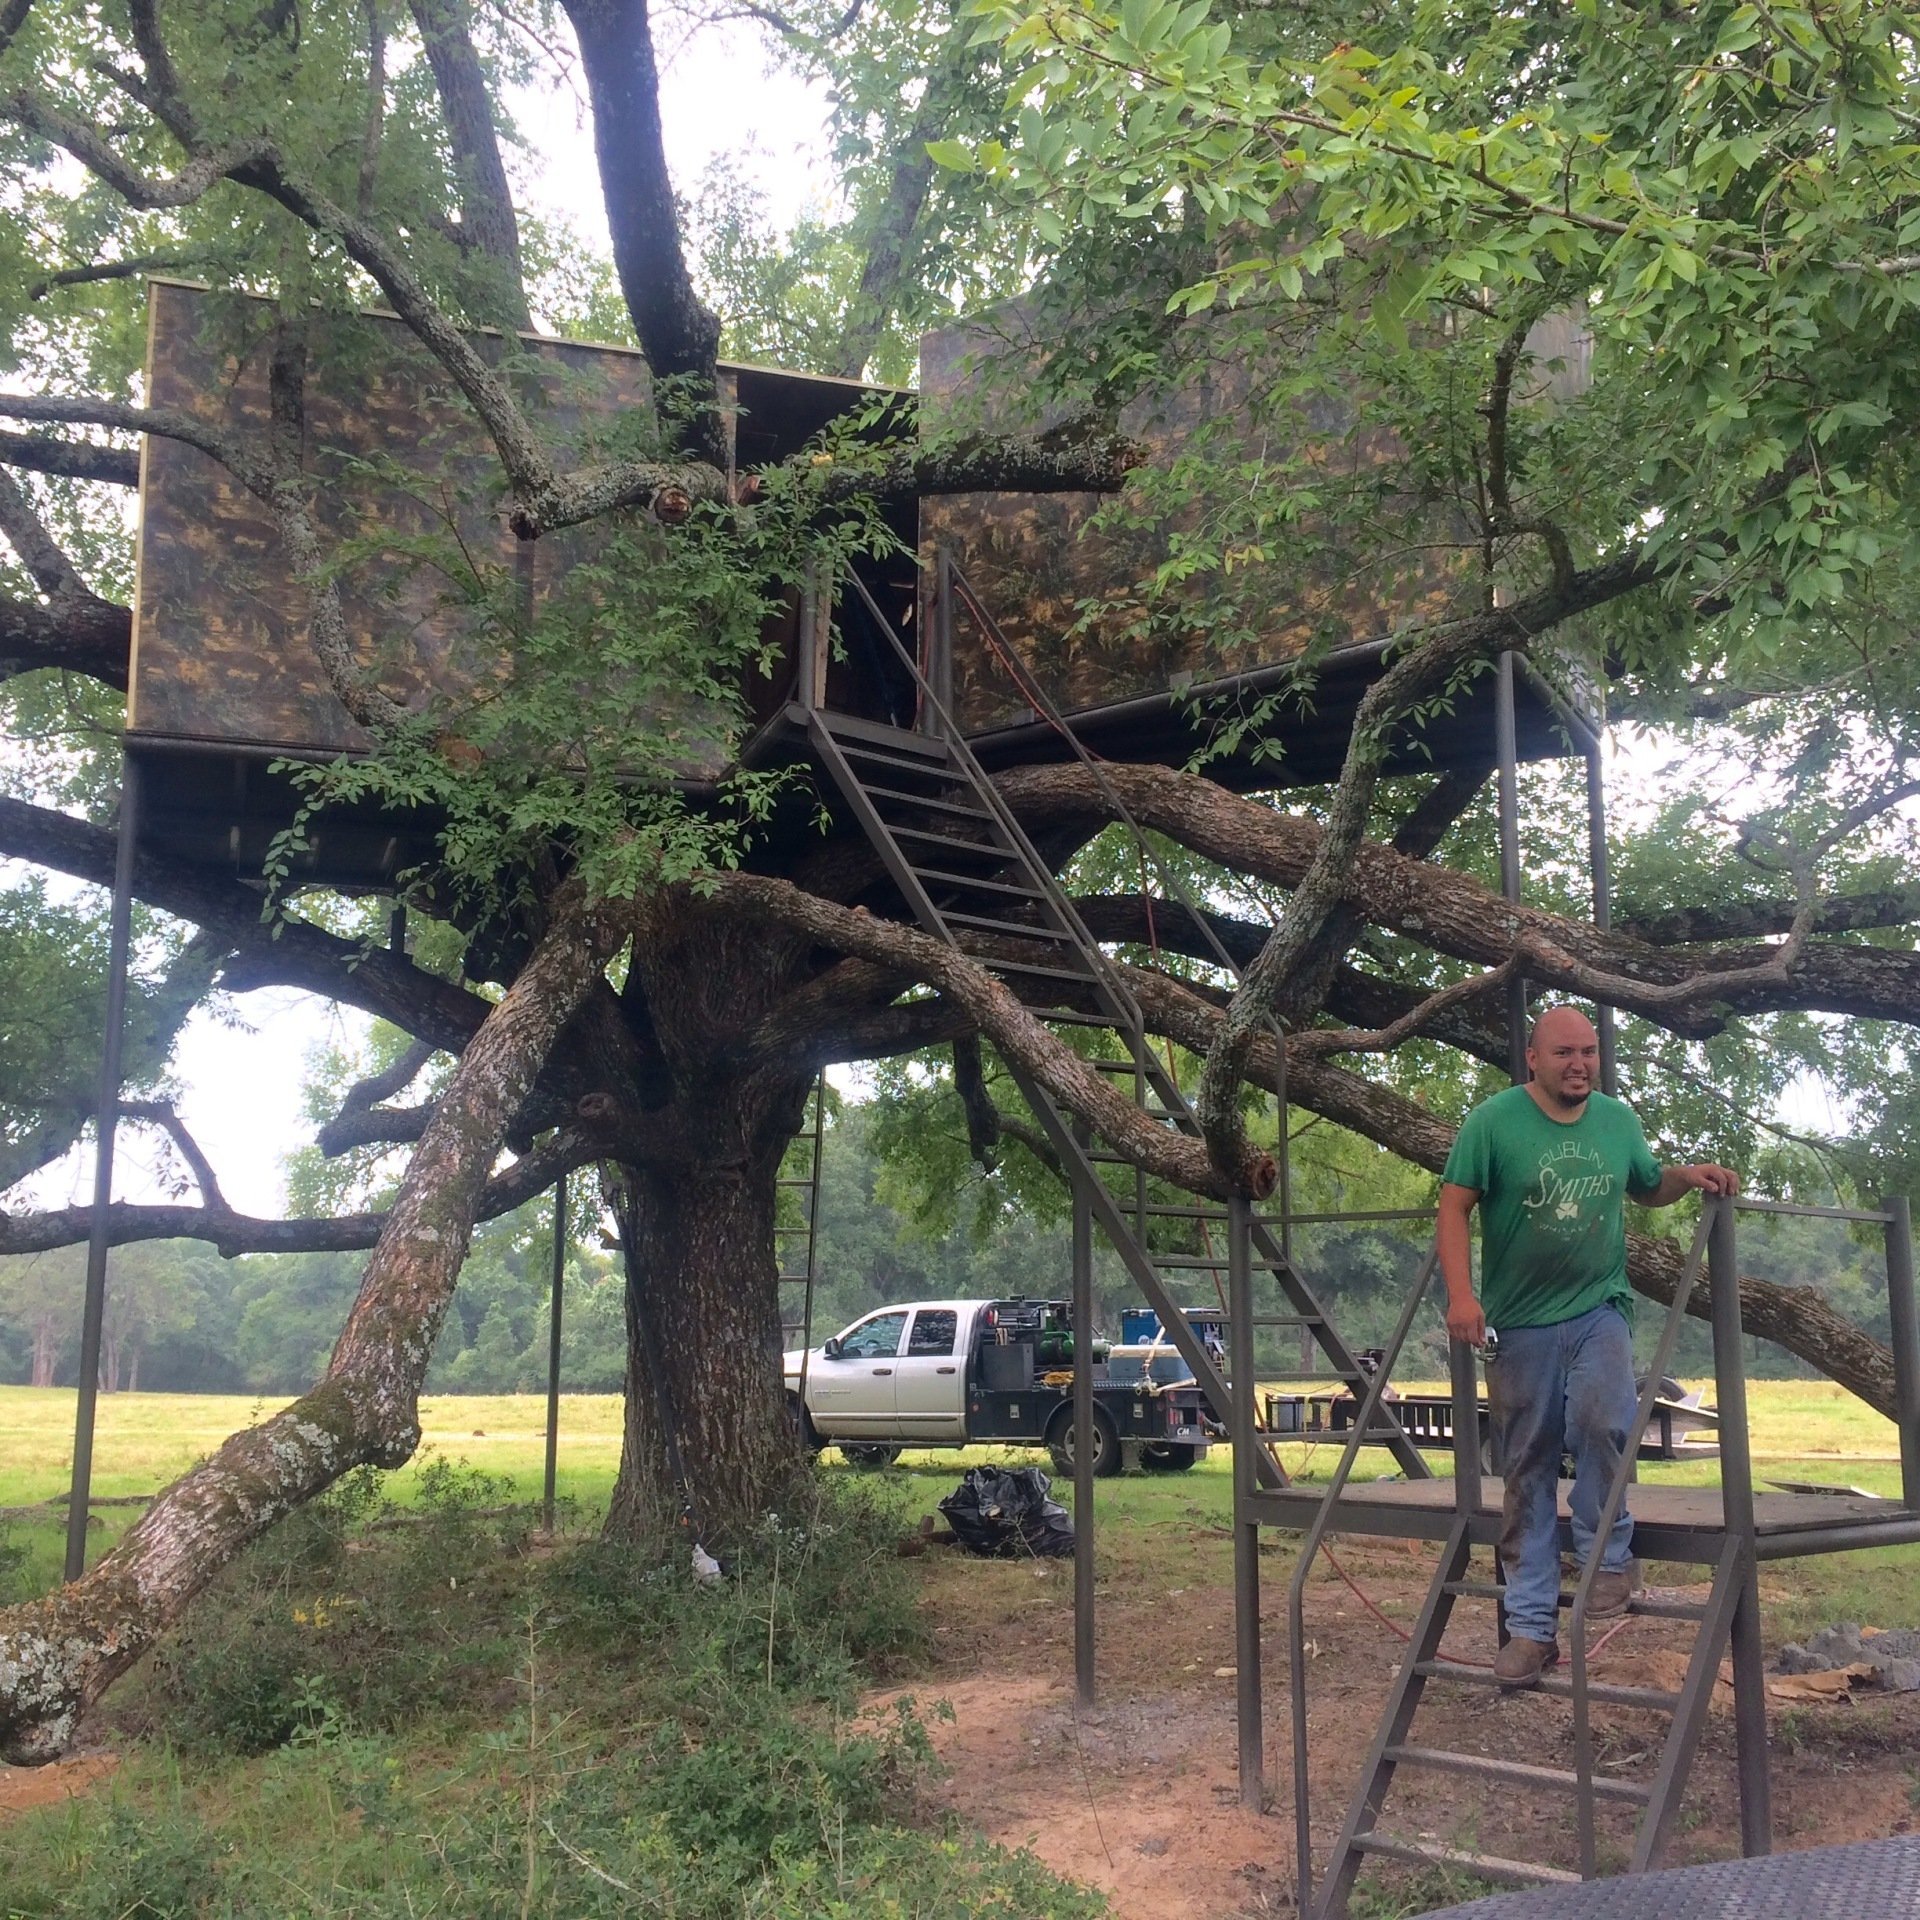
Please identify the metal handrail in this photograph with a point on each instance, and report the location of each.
(1872, 1216)
(1609, 1513)
(1038, 698)
(1107, 980)
(1309, 1549)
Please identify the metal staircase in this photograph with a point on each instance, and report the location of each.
(1423, 1664)
(967, 873)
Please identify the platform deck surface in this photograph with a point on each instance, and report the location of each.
(1868, 1880)
(1693, 1508)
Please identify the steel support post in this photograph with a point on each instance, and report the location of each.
(1083, 1443)
(1602, 903)
(1906, 1345)
(106, 1125)
(1736, 1496)
(1466, 1429)
(940, 635)
(553, 1343)
(1246, 1530)
(1506, 741)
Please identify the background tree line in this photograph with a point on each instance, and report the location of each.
(904, 1215)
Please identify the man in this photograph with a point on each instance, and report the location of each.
(1548, 1165)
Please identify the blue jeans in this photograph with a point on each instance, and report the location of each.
(1554, 1390)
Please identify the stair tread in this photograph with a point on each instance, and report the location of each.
(1492, 1865)
(1024, 930)
(927, 803)
(1525, 1772)
(1558, 1684)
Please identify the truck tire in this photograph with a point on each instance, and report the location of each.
(1168, 1456)
(869, 1456)
(1106, 1443)
(803, 1424)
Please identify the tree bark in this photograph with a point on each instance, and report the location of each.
(58, 1654)
(703, 1325)
(1455, 914)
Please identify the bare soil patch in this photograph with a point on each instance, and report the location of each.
(22, 1788)
(1140, 1796)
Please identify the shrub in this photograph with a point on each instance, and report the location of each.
(353, 1612)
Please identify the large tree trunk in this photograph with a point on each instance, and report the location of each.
(703, 1323)
(58, 1654)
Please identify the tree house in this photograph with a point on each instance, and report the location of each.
(225, 680)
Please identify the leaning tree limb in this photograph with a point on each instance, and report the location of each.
(1432, 664)
(993, 1007)
(1455, 914)
(58, 1654)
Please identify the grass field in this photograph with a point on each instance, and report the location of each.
(417, 1778)
(144, 1440)
(1801, 1430)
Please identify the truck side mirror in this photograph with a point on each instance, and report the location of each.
(830, 1350)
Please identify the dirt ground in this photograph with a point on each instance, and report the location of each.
(1140, 1796)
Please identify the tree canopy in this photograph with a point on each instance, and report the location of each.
(1583, 335)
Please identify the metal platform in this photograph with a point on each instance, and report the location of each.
(1671, 1523)
(1869, 1880)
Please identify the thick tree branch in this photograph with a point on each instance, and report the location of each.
(57, 1655)
(1455, 914)
(984, 1126)
(76, 629)
(1083, 461)
(71, 459)
(678, 333)
(1432, 664)
(487, 218)
(361, 1121)
(1016, 1031)
(87, 636)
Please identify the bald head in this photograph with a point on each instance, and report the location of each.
(1551, 1021)
(1564, 1056)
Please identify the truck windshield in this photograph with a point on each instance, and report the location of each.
(875, 1339)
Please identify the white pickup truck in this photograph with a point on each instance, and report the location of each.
(957, 1373)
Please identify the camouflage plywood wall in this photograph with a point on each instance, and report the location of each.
(404, 478)
(1066, 594)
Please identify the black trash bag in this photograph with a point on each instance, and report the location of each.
(1004, 1514)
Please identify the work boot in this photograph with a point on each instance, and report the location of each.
(1611, 1592)
(1520, 1663)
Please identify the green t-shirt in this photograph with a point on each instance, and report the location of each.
(1553, 1229)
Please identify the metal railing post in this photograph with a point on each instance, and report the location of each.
(1904, 1327)
(106, 1120)
(1506, 731)
(1466, 1428)
(1602, 903)
(1246, 1531)
(1083, 1497)
(553, 1346)
(1736, 1497)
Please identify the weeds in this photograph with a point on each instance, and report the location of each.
(381, 1715)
